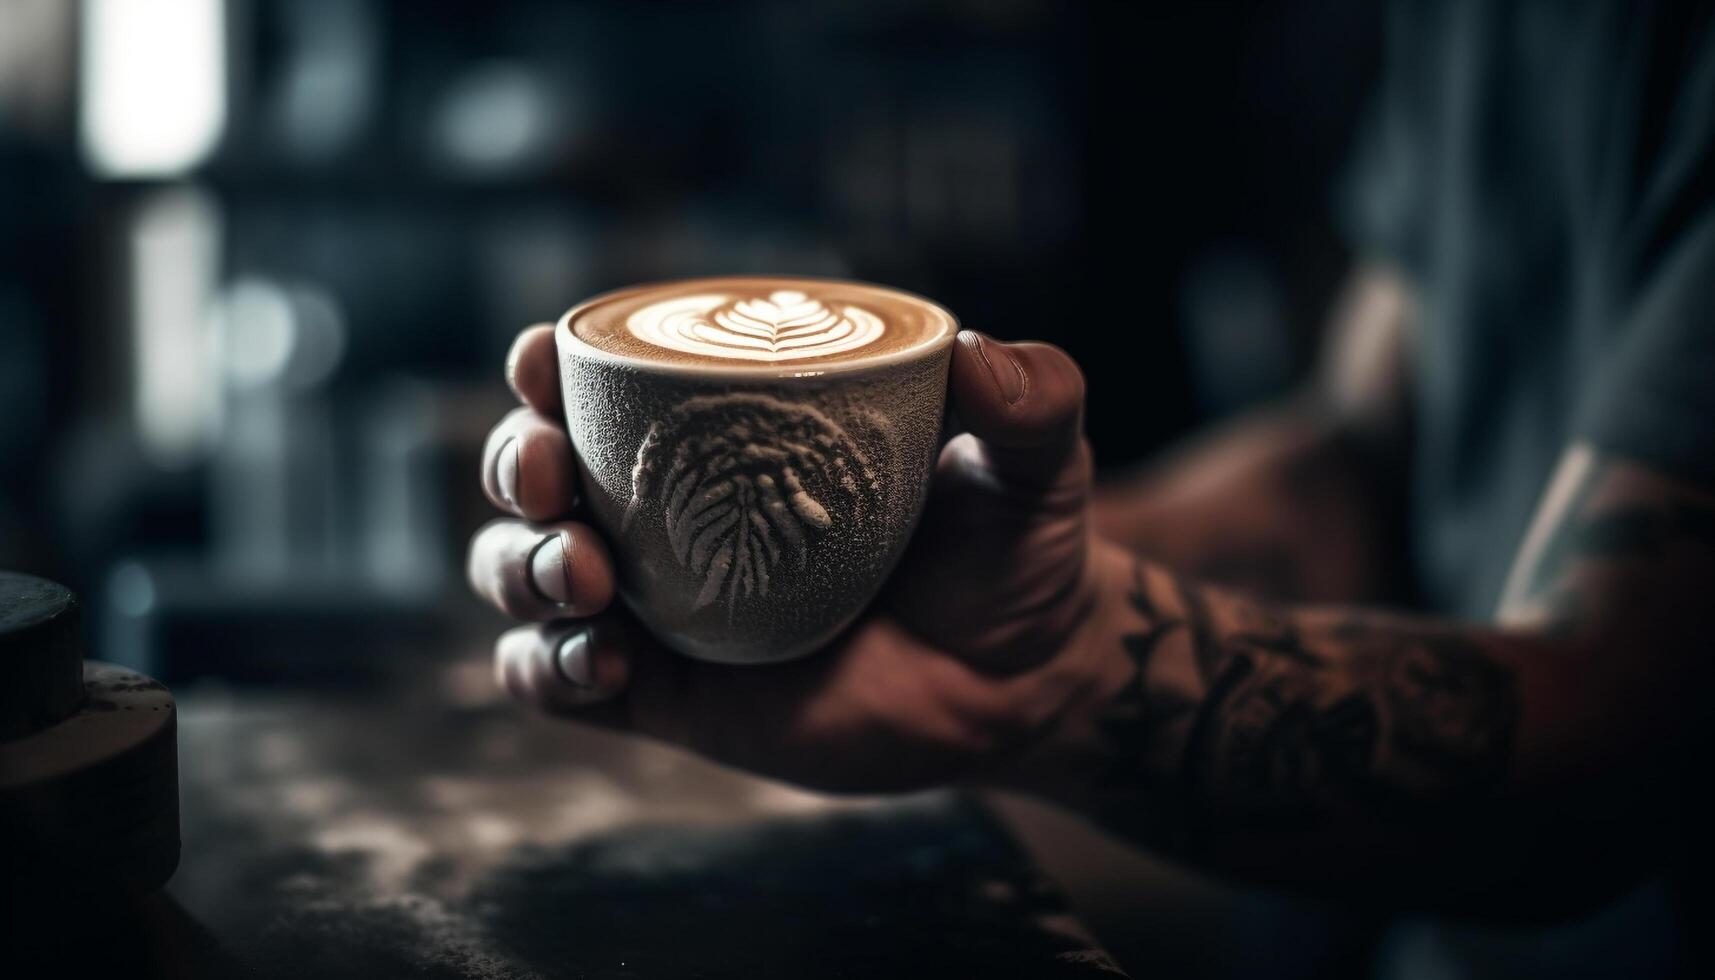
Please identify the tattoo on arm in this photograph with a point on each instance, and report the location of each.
(1250, 713)
(1246, 716)
(1280, 721)
(1137, 721)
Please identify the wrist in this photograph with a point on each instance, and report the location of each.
(1065, 751)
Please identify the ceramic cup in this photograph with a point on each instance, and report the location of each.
(755, 503)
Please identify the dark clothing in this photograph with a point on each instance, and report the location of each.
(1544, 174)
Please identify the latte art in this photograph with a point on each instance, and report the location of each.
(768, 326)
(784, 325)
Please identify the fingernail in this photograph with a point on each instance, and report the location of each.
(1008, 376)
(512, 368)
(573, 660)
(551, 569)
(506, 473)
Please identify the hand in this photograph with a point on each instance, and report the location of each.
(963, 662)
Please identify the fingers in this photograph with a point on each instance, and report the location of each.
(600, 671)
(561, 668)
(533, 370)
(545, 572)
(583, 668)
(541, 572)
(1025, 402)
(527, 463)
(528, 468)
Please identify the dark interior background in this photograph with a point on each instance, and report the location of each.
(1146, 185)
(245, 372)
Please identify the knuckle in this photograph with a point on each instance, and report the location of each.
(489, 535)
(503, 430)
(495, 568)
(507, 664)
(476, 561)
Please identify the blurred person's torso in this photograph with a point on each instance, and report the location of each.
(1543, 173)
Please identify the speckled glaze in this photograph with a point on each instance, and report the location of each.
(752, 513)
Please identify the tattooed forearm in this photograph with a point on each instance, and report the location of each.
(1252, 713)
(1350, 749)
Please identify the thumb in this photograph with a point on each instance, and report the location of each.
(1025, 403)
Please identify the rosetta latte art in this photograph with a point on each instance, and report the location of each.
(744, 482)
(784, 325)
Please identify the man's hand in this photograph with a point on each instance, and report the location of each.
(1427, 761)
(965, 660)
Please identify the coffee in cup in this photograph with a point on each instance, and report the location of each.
(755, 449)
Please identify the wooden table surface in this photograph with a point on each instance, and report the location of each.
(446, 835)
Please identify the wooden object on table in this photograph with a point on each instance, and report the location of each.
(41, 654)
(88, 760)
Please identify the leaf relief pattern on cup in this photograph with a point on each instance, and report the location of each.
(745, 482)
(786, 324)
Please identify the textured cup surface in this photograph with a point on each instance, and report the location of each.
(755, 504)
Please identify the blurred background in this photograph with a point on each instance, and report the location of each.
(260, 260)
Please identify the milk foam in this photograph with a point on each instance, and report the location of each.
(761, 323)
(783, 325)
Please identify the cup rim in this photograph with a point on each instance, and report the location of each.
(567, 339)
